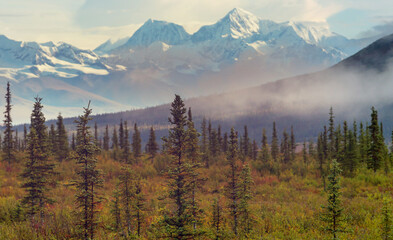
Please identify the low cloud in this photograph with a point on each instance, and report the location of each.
(379, 30)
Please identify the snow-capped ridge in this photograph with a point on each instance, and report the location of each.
(156, 30)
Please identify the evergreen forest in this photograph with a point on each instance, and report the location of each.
(197, 182)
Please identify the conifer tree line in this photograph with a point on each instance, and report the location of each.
(340, 151)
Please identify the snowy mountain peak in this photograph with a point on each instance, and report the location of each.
(242, 23)
(237, 24)
(240, 13)
(155, 30)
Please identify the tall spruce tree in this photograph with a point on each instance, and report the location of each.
(24, 137)
(139, 206)
(332, 214)
(89, 177)
(305, 156)
(214, 144)
(205, 143)
(219, 138)
(232, 188)
(126, 144)
(363, 148)
(121, 134)
(376, 150)
(38, 167)
(115, 143)
(285, 147)
(115, 139)
(246, 143)
(152, 146)
(73, 142)
(136, 143)
(62, 149)
(332, 150)
(52, 139)
(254, 151)
(178, 221)
(274, 145)
(321, 159)
(217, 219)
(292, 145)
(193, 155)
(106, 139)
(245, 194)
(127, 195)
(8, 140)
(95, 132)
(16, 141)
(115, 209)
(265, 147)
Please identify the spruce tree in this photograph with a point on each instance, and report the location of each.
(311, 151)
(325, 143)
(285, 148)
(254, 151)
(246, 143)
(219, 138)
(375, 152)
(126, 144)
(274, 146)
(232, 188)
(106, 139)
(121, 134)
(115, 210)
(214, 144)
(351, 161)
(8, 140)
(139, 206)
(16, 141)
(292, 145)
(38, 168)
(115, 139)
(24, 137)
(62, 149)
(127, 195)
(152, 146)
(95, 132)
(363, 148)
(217, 219)
(205, 144)
(265, 148)
(332, 214)
(136, 143)
(245, 194)
(321, 159)
(89, 177)
(73, 142)
(193, 155)
(178, 220)
(52, 139)
(305, 156)
(115, 142)
(332, 150)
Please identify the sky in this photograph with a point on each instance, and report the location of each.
(88, 23)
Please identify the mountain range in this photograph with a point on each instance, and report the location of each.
(350, 87)
(160, 59)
